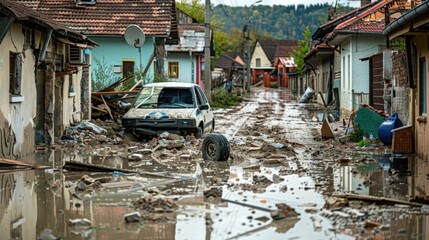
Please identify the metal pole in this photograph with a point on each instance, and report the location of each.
(249, 80)
(207, 78)
(141, 66)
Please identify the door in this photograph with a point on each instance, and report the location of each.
(127, 68)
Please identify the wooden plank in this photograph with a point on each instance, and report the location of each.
(108, 103)
(14, 163)
(115, 84)
(100, 109)
(86, 167)
(376, 199)
(113, 92)
(107, 107)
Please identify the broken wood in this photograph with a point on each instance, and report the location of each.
(100, 109)
(327, 132)
(248, 205)
(113, 92)
(86, 167)
(380, 200)
(15, 163)
(107, 107)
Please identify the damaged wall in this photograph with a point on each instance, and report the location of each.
(16, 118)
(401, 100)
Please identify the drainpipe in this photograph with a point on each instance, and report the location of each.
(42, 54)
(408, 45)
(192, 67)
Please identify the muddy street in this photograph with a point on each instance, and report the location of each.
(282, 181)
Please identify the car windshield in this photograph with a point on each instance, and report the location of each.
(165, 97)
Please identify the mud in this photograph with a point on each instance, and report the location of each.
(282, 181)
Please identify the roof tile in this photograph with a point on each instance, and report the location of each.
(111, 17)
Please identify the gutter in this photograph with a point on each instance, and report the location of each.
(345, 32)
(420, 10)
(42, 53)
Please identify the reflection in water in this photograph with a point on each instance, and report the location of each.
(32, 201)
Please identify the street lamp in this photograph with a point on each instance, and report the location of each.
(247, 28)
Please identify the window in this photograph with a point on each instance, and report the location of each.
(423, 87)
(15, 72)
(258, 62)
(201, 98)
(173, 69)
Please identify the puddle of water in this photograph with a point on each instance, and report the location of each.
(29, 204)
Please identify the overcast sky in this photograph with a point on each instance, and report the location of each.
(352, 3)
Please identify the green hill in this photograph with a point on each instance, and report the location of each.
(282, 22)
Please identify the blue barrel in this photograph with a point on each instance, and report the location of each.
(385, 129)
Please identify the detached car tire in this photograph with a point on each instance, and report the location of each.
(215, 147)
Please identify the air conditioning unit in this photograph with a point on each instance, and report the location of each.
(76, 55)
(85, 2)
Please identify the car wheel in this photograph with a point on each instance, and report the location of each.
(215, 147)
(199, 132)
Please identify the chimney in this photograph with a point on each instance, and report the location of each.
(364, 2)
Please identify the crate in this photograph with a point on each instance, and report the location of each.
(402, 140)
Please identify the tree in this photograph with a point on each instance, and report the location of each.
(303, 48)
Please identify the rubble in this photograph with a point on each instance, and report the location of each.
(155, 205)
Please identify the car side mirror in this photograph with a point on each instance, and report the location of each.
(203, 107)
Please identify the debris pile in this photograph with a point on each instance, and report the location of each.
(155, 205)
(98, 132)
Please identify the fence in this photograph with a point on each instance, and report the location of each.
(358, 98)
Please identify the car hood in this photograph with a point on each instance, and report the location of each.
(157, 114)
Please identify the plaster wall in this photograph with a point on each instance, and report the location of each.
(18, 116)
(354, 71)
(258, 52)
(187, 72)
(113, 50)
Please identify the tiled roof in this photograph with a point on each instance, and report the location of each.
(30, 17)
(111, 17)
(278, 47)
(366, 26)
(225, 61)
(329, 26)
(317, 48)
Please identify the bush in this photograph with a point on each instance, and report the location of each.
(274, 86)
(102, 75)
(222, 99)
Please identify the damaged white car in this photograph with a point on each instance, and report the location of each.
(173, 107)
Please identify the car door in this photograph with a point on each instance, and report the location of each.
(208, 113)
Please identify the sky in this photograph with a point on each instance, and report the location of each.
(353, 3)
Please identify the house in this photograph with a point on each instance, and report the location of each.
(357, 37)
(105, 22)
(231, 62)
(42, 89)
(319, 67)
(185, 59)
(323, 61)
(413, 27)
(285, 67)
(264, 54)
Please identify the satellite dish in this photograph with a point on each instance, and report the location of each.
(134, 36)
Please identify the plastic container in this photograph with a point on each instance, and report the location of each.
(385, 129)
